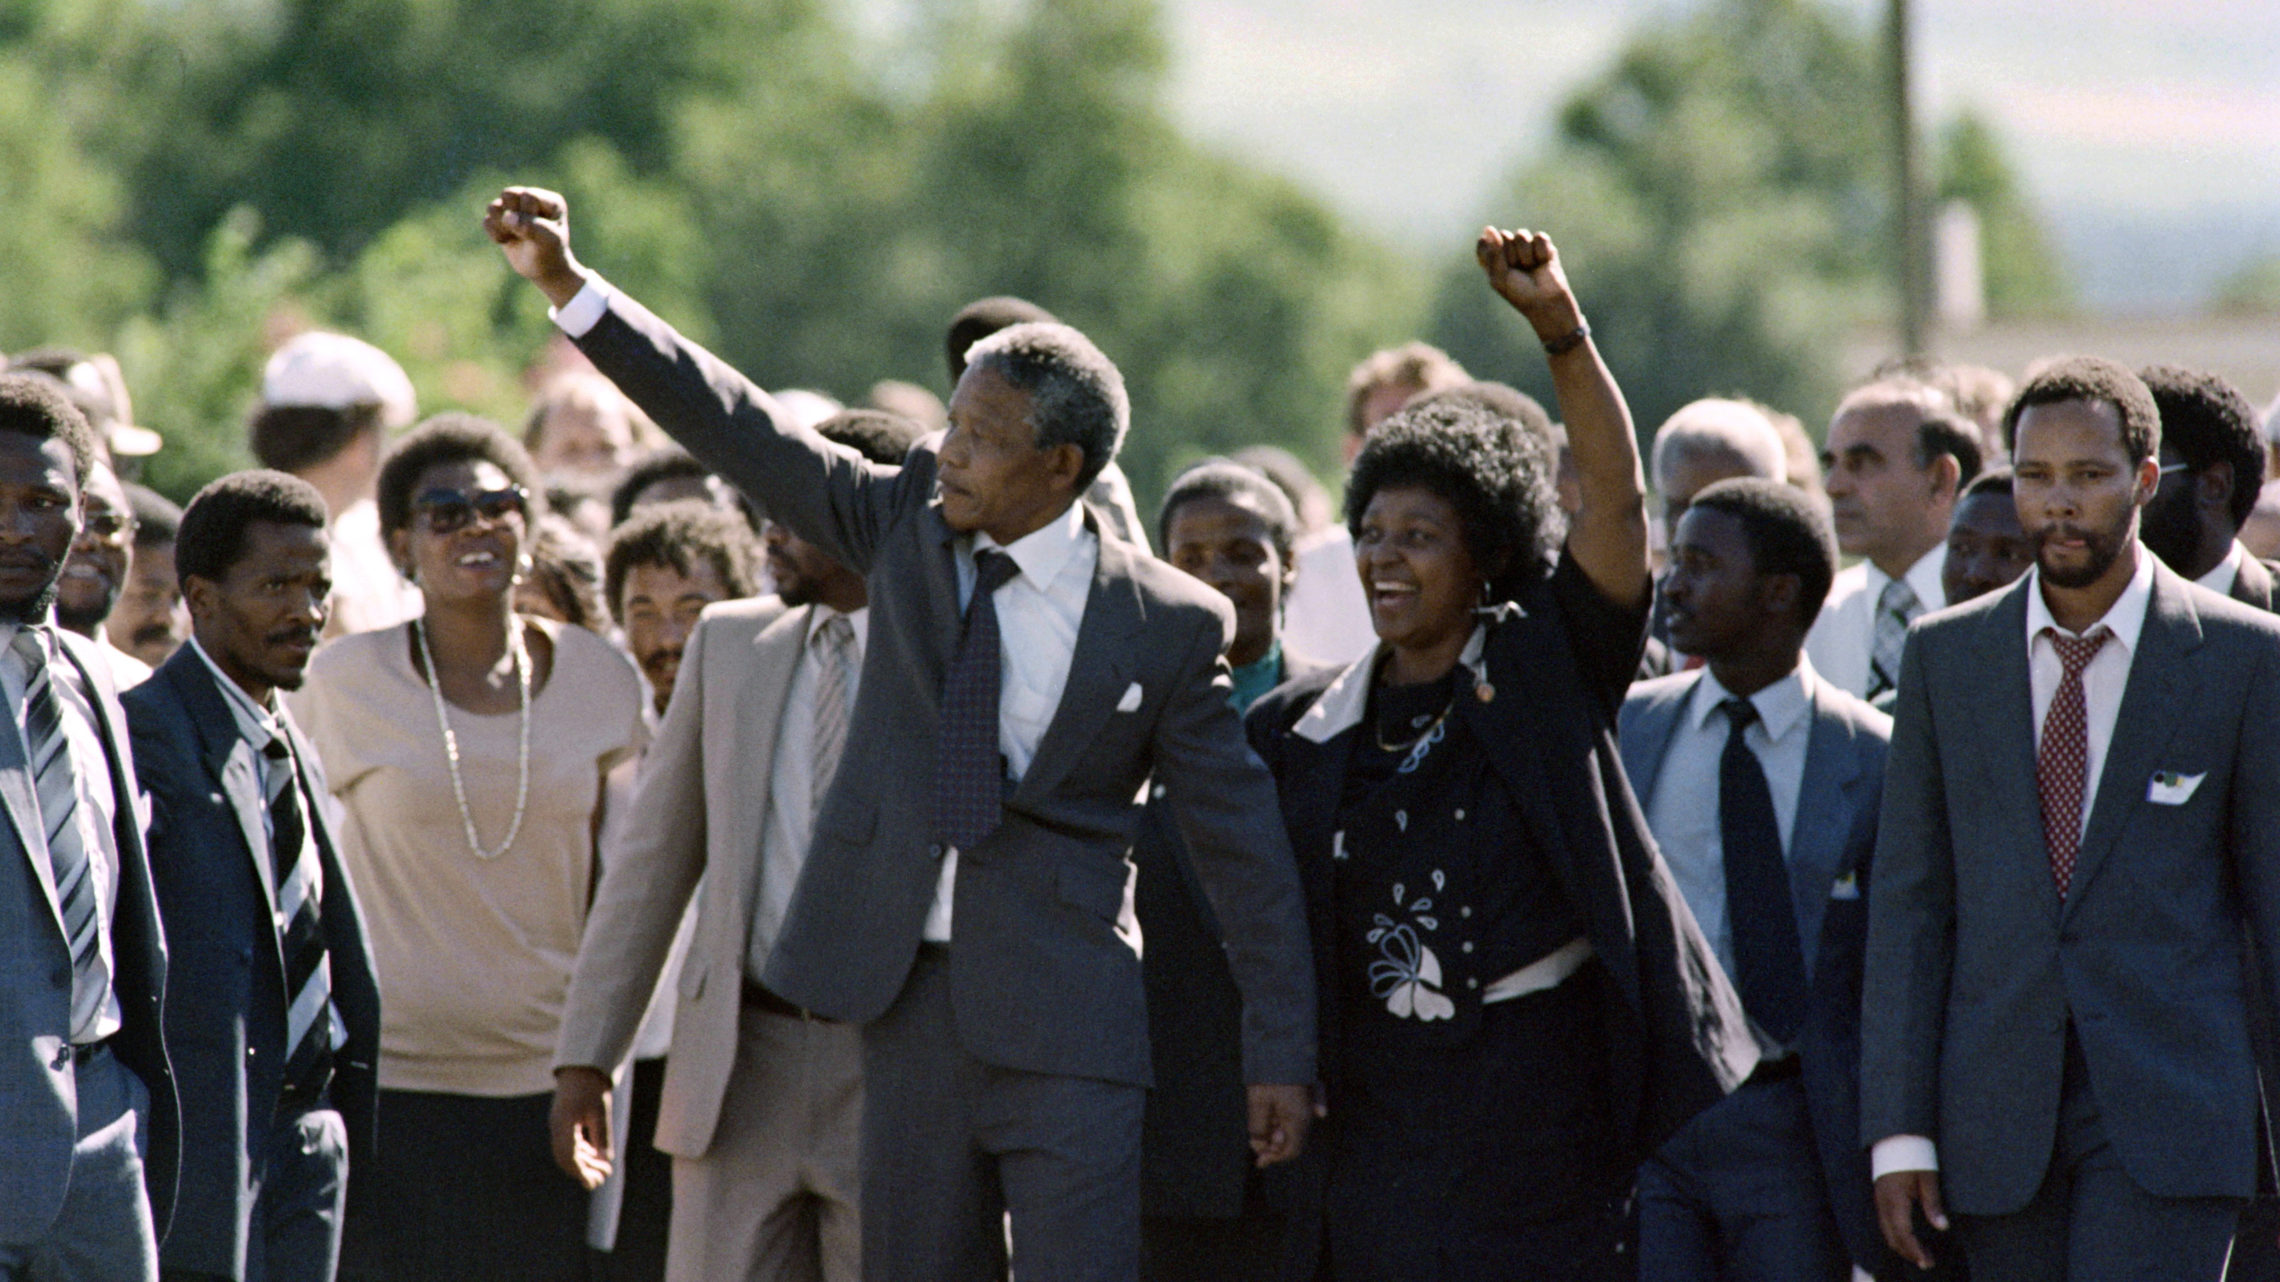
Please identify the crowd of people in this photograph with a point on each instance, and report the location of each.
(853, 843)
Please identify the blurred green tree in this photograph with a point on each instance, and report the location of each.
(2022, 273)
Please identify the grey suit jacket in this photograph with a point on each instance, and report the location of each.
(1044, 967)
(38, 1102)
(226, 1011)
(1832, 845)
(698, 814)
(1976, 967)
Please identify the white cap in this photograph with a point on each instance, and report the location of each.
(336, 372)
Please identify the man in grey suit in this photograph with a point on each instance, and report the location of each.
(2080, 837)
(273, 1020)
(967, 898)
(1761, 783)
(87, 1123)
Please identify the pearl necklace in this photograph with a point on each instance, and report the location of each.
(451, 741)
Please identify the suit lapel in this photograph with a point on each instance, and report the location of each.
(23, 807)
(1646, 736)
(2003, 724)
(2157, 700)
(1828, 799)
(760, 698)
(1099, 667)
(948, 617)
(2253, 584)
(229, 759)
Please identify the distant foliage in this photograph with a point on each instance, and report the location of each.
(814, 206)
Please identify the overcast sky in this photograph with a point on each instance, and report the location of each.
(2149, 130)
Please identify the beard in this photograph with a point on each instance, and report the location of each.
(83, 619)
(34, 608)
(2101, 549)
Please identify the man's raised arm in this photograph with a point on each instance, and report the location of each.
(1608, 537)
(827, 495)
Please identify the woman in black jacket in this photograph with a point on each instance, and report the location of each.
(1515, 1005)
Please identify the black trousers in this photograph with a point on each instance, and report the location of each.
(463, 1188)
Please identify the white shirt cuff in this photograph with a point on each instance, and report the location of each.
(585, 311)
(1902, 1153)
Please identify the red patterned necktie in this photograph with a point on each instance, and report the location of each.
(2063, 763)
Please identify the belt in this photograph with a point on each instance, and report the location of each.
(81, 1052)
(758, 997)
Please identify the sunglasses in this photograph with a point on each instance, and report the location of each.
(447, 510)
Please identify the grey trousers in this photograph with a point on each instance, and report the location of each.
(104, 1232)
(953, 1147)
(2090, 1222)
(774, 1198)
(1738, 1193)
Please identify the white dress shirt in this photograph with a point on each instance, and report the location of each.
(1039, 611)
(2103, 681)
(1683, 811)
(2225, 573)
(98, 805)
(1844, 636)
(790, 826)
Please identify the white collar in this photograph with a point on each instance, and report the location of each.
(1780, 706)
(1923, 578)
(1043, 552)
(2222, 576)
(2125, 618)
(1341, 706)
(259, 724)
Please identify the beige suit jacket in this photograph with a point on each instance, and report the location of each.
(697, 814)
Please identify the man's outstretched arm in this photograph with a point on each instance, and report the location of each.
(827, 495)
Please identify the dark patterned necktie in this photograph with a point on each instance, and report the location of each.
(1768, 960)
(301, 937)
(969, 772)
(56, 783)
(2062, 764)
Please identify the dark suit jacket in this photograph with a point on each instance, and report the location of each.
(1044, 975)
(38, 1117)
(225, 1020)
(1195, 1146)
(1976, 967)
(1676, 1037)
(1832, 844)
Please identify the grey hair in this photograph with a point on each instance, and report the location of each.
(1076, 395)
(1714, 426)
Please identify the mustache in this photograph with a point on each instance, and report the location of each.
(659, 660)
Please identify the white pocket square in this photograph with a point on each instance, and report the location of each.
(2169, 789)
(1131, 700)
(1846, 887)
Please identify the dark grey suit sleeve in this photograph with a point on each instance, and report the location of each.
(1223, 800)
(828, 495)
(2255, 834)
(1911, 925)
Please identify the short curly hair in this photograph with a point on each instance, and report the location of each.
(1496, 473)
(211, 537)
(679, 536)
(2208, 421)
(1227, 480)
(31, 406)
(1786, 532)
(2090, 378)
(452, 438)
(1076, 396)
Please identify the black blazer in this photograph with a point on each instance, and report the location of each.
(1557, 666)
(225, 1013)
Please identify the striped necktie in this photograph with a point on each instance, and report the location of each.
(57, 786)
(834, 644)
(300, 937)
(1896, 607)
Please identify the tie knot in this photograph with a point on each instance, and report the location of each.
(1900, 599)
(30, 646)
(993, 570)
(836, 633)
(277, 749)
(2075, 653)
(1741, 712)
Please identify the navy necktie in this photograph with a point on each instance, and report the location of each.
(1769, 963)
(969, 772)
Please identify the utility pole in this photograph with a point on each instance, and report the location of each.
(1914, 241)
